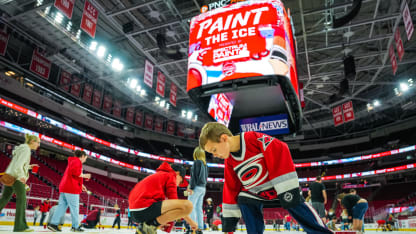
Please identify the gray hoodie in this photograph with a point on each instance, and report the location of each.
(19, 166)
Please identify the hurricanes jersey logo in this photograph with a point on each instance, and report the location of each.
(265, 140)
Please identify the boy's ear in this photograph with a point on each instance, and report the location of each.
(224, 137)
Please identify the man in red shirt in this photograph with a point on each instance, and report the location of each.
(70, 188)
(147, 203)
(44, 208)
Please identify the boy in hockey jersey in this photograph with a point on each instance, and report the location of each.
(147, 200)
(259, 171)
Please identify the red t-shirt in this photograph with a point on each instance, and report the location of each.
(154, 188)
(45, 207)
(71, 182)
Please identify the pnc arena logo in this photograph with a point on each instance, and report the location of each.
(218, 4)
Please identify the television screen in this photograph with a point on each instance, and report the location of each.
(246, 39)
(220, 108)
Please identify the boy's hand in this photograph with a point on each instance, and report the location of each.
(193, 225)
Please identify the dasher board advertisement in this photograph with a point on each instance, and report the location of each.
(246, 39)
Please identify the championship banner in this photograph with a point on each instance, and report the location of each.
(160, 87)
(65, 6)
(65, 79)
(4, 40)
(87, 94)
(117, 109)
(170, 127)
(348, 111)
(96, 100)
(139, 118)
(40, 65)
(148, 121)
(108, 103)
(89, 19)
(408, 22)
(180, 131)
(337, 113)
(399, 44)
(158, 124)
(148, 74)
(173, 93)
(393, 59)
(130, 114)
(76, 86)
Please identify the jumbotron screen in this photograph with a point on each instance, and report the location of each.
(246, 39)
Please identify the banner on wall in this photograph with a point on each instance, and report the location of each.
(87, 94)
(408, 22)
(108, 103)
(64, 80)
(148, 121)
(65, 6)
(170, 127)
(117, 109)
(139, 118)
(399, 44)
(4, 40)
(148, 73)
(76, 86)
(180, 131)
(337, 114)
(393, 59)
(130, 114)
(173, 93)
(159, 124)
(348, 111)
(96, 100)
(40, 65)
(160, 86)
(89, 19)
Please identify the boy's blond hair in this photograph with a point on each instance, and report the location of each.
(199, 154)
(30, 138)
(212, 131)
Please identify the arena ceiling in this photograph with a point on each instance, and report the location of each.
(321, 50)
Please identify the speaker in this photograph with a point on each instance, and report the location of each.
(128, 27)
(349, 67)
(338, 22)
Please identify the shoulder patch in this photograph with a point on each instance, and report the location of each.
(265, 140)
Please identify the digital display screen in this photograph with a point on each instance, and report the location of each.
(246, 39)
(220, 108)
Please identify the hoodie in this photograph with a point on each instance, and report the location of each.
(19, 166)
(154, 188)
(71, 182)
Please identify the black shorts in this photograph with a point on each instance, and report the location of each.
(148, 214)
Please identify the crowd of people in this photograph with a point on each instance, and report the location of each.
(259, 172)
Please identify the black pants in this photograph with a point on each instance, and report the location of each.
(42, 218)
(90, 224)
(209, 220)
(130, 222)
(117, 220)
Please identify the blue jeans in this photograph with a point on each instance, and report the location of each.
(359, 210)
(197, 199)
(253, 217)
(65, 200)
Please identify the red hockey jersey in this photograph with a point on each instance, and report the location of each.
(264, 169)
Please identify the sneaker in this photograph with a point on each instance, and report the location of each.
(28, 230)
(144, 228)
(79, 229)
(54, 228)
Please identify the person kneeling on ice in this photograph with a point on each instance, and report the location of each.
(259, 171)
(147, 203)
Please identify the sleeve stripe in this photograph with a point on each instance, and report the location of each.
(286, 185)
(229, 211)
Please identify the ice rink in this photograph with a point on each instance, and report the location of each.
(9, 229)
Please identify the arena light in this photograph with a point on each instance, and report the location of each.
(157, 99)
(109, 57)
(404, 87)
(183, 113)
(167, 106)
(410, 81)
(69, 26)
(93, 46)
(189, 115)
(143, 92)
(376, 103)
(101, 51)
(138, 88)
(133, 83)
(117, 65)
(196, 118)
(59, 17)
(78, 35)
(162, 103)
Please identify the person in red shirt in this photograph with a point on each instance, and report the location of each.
(70, 188)
(149, 206)
(44, 208)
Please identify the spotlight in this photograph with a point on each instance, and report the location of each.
(133, 83)
(116, 65)
(189, 115)
(101, 51)
(404, 87)
(93, 45)
(376, 103)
